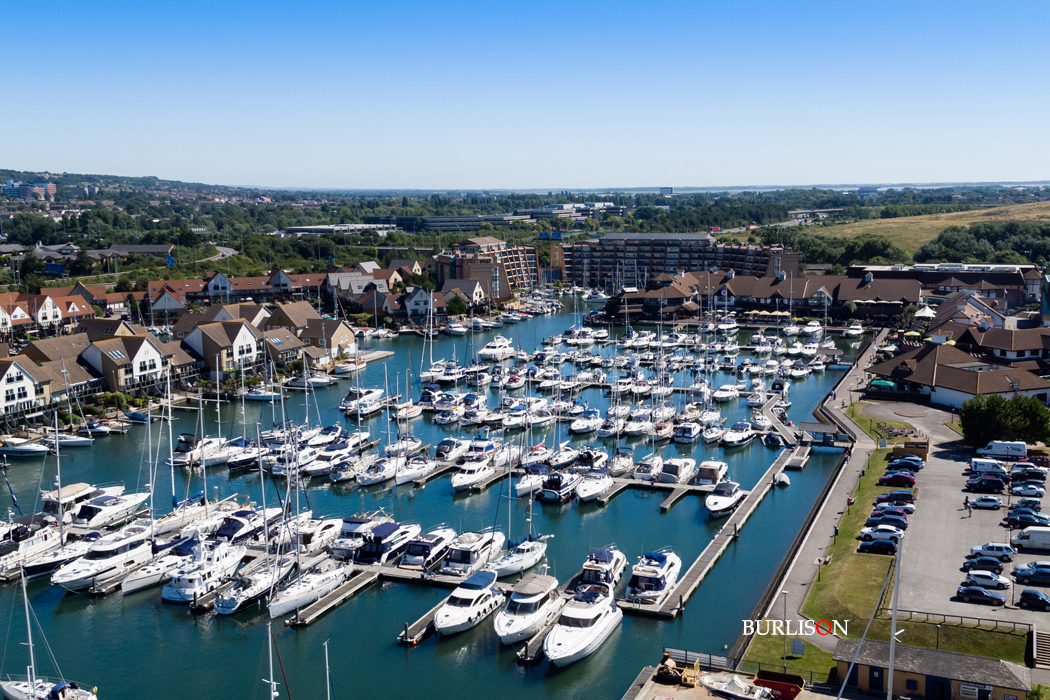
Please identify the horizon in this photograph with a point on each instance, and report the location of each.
(412, 95)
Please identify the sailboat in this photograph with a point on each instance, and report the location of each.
(37, 688)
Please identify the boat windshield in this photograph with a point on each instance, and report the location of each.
(569, 621)
(518, 607)
(460, 556)
(418, 550)
(594, 576)
(647, 583)
(457, 602)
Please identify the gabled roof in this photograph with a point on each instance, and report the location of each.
(224, 333)
(937, 365)
(298, 313)
(124, 348)
(282, 340)
(1002, 339)
(98, 328)
(398, 264)
(467, 286)
(322, 328)
(368, 266)
(64, 346)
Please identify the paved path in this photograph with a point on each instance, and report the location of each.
(804, 567)
(223, 253)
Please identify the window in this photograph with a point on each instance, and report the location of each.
(142, 366)
(9, 395)
(153, 364)
(22, 392)
(115, 354)
(14, 377)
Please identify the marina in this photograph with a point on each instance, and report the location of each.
(375, 604)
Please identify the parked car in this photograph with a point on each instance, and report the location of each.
(987, 579)
(913, 460)
(907, 508)
(980, 563)
(879, 512)
(1030, 503)
(987, 502)
(897, 479)
(1039, 461)
(1032, 574)
(1033, 474)
(1031, 598)
(894, 520)
(1029, 464)
(976, 594)
(878, 547)
(1028, 489)
(999, 550)
(1022, 520)
(985, 484)
(898, 496)
(881, 532)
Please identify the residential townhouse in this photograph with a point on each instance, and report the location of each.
(282, 346)
(333, 336)
(226, 346)
(129, 363)
(294, 316)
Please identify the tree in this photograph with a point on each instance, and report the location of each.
(133, 305)
(456, 306)
(1028, 419)
(982, 420)
(849, 308)
(835, 269)
(122, 285)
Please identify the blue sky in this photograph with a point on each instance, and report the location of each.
(529, 95)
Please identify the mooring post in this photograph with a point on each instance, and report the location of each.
(406, 632)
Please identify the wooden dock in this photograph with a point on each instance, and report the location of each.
(799, 457)
(442, 469)
(787, 434)
(416, 632)
(353, 585)
(689, 581)
(532, 652)
(620, 486)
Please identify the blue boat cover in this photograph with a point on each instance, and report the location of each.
(658, 558)
(602, 555)
(383, 530)
(482, 579)
(587, 596)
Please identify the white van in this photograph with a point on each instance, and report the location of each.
(1003, 449)
(1032, 538)
(980, 465)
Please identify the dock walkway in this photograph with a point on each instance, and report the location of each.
(695, 574)
(353, 585)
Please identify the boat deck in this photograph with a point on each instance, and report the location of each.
(351, 587)
(532, 652)
(677, 491)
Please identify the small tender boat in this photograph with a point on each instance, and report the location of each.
(733, 688)
(688, 432)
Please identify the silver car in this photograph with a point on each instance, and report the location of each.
(987, 579)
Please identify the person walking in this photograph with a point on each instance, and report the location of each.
(969, 510)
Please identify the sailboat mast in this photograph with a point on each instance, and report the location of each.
(327, 673)
(150, 468)
(171, 449)
(58, 462)
(218, 408)
(29, 637)
(269, 647)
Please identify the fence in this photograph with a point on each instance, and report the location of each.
(958, 620)
(728, 663)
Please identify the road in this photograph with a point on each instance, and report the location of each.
(223, 253)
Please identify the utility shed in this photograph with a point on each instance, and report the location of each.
(930, 673)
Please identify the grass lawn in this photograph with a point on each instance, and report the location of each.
(768, 649)
(911, 232)
(956, 426)
(849, 588)
(868, 424)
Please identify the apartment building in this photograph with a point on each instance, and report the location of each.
(515, 266)
(634, 258)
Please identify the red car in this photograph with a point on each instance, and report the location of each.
(1039, 461)
(899, 512)
(898, 479)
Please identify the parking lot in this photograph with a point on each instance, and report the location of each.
(940, 534)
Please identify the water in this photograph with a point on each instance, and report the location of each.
(136, 646)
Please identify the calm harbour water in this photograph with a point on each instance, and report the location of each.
(135, 646)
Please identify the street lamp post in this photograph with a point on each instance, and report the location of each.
(785, 657)
(938, 636)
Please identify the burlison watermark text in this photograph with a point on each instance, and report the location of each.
(795, 628)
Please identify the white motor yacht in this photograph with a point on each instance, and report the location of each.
(475, 599)
(611, 427)
(499, 348)
(677, 470)
(450, 449)
(739, 435)
(688, 432)
(107, 558)
(711, 471)
(648, 469)
(165, 561)
(713, 433)
(532, 481)
(385, 543)
(855, 330)
(381, 470)
(471, 473)
(791, 329)
(213, 564)
(604, 565)
(813, 329)
(323, 578)
(588, 422)
(596, 482)
(108, 510)
(761, 421)
(559, 487)
(427, 550)
(471, 551)
(726, 392)
(653, 577)
(21, 447)
(726, 496)
(353, 530)
(585, 623)
(534, 602)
